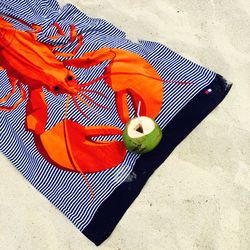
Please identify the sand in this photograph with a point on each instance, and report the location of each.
(200, 197)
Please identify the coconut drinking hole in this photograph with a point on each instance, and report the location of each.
(139, 129)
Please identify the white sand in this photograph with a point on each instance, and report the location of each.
(196, 200)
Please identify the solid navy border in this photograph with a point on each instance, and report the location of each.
(112, 210)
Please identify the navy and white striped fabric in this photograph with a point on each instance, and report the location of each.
(66, 190)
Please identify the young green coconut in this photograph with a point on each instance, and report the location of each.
(141, 135)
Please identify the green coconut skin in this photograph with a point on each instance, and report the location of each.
(143, 144)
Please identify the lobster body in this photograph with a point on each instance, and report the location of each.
(30, 61)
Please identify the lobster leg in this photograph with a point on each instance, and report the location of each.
(36, 112)
(23, 97)
(59, 30)
(73, 36)
(35, 28)
(75, 50)
(13, 83)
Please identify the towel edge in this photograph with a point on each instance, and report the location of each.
(112, 210)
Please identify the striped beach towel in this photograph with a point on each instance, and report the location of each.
(68, 145)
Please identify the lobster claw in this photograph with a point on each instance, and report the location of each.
(69, 146)
(121, 98)
(127, 74)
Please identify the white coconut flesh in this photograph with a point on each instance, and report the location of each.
(139, 127)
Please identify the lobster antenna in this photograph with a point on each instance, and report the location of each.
(93, 81)
(94, 91)
(72, 161)
(91, 100)
(67, 107)
(88, 184)
(82, 100)
(141, 74)
(79, 108)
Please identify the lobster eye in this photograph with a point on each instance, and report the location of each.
(70, 78)
(56, 88)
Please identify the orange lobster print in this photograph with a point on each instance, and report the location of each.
(69, 145)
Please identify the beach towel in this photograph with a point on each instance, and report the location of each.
(69, 84)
